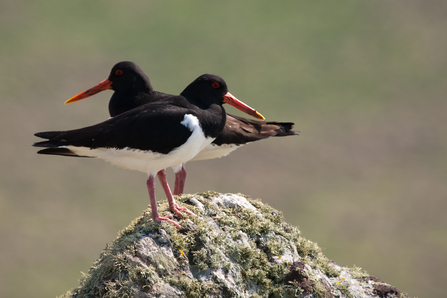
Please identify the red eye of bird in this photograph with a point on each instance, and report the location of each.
(215, 85)
(118, 72)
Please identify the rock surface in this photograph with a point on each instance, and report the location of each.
(235, 247)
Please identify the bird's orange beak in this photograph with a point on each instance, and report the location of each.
(104, 85)
(232, 100)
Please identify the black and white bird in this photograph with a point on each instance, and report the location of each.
(154, 136)
(133, 88)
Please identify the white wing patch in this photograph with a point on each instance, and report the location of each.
(190, 122)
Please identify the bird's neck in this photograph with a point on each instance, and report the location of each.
(213, 120)
(125, 100)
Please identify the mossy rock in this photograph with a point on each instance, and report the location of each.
(234, 247)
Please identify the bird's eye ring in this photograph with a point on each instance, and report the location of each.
(118, 72)
(215, 85)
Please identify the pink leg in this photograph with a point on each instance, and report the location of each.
(180, 178)
(172, 205)
(155, 216)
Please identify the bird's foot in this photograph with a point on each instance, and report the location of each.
(168, 219)
(177, 210)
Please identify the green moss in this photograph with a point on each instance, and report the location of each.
(357, 272)
(68, 294)
(343, 288)
(207, 194)
(199, 259)
(194, 288)
(319, 290)
(277, 272)
(326, 267)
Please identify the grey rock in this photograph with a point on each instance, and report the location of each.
(234, 247)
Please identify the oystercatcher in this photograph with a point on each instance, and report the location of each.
(133, 88)
(155, 135)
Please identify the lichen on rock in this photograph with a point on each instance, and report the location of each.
(234, 247)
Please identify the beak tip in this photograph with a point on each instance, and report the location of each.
(259, 116)
(73, 99)
(104, 85)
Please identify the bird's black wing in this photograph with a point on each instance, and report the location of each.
(155, 127)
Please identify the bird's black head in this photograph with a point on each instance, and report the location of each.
(206, 90)
(126, 78)
(126, 75)
(210, 89)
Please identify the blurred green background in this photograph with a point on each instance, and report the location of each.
(364, 81)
